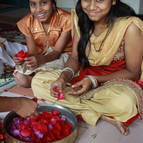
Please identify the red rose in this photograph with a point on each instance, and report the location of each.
(21, 55)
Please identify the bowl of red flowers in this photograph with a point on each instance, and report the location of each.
(54, 124)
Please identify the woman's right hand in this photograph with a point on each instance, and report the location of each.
(58, 85)
(25, 106)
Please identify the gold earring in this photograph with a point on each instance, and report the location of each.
(114, 2)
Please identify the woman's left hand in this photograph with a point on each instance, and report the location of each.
(81, 87)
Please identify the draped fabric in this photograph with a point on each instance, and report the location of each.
(100, 70)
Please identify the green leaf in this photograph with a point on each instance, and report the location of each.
(24, 69)
(94, 135)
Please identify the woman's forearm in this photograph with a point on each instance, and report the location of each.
(124, 74)
(42, 59)
(74, 65)
(8, 104)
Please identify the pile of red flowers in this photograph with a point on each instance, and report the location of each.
(43, 128)
(21, 55)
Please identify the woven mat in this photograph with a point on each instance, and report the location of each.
(7, 81)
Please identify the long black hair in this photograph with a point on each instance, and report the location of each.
(54, 5)
(87, 26)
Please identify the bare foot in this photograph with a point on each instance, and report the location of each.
(122, 128)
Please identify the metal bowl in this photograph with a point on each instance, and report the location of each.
(44, 108)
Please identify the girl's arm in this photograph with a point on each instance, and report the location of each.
(72, 61)
(64, 38)
(133, 56)
(33, 50)
(66, 76)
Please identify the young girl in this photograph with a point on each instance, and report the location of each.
(108, 51)
(47, 30)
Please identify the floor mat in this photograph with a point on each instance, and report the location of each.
(7, 81)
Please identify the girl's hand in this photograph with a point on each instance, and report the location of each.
(58, 85)
(81, 87)
(17, 61)
(33, 62)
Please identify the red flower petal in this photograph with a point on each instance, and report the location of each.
(1, 137)
(55, 112)
(21, 54)
(61, 96)
(21, 59)
(22, 126)
(35, 99)
(4, 90)
(26, 54)
(25, 132)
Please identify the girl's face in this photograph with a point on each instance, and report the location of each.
(97, 10)
(41, 9)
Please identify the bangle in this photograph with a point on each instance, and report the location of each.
(70, 70)
(93, 80)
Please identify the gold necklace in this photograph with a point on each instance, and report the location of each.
(47, 30)
(97, 35)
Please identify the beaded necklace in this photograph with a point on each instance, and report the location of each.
(97, 35)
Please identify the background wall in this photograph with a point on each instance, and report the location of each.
(137, 5)
(66, 3)
(141, 7)
(16, 3)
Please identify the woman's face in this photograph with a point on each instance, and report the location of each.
(97, 10)
(41, 9)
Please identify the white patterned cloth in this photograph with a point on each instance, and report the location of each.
(6, 54)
